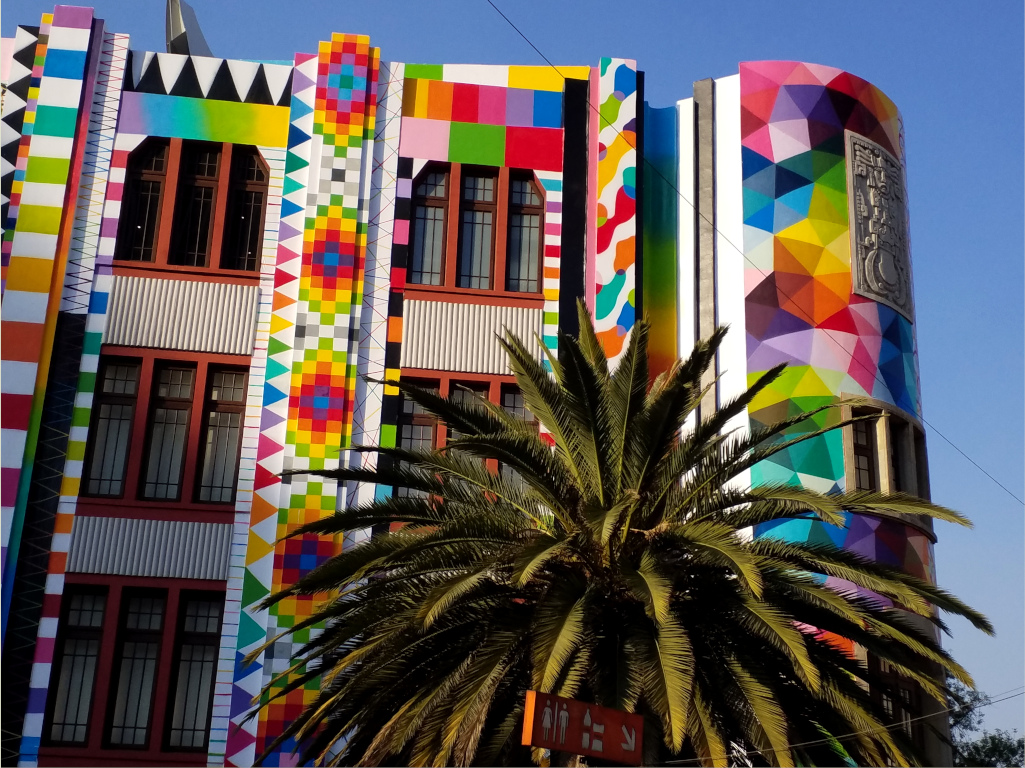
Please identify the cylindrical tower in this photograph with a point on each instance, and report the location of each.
(794, 228)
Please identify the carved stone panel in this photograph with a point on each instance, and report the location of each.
(880, 256)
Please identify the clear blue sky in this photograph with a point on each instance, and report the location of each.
(955, 72)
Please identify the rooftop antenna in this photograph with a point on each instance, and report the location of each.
(183, 32)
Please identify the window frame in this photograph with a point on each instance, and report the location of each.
(474, 206)
(165, 241)
(168, 403)
(211, 640)
(130, 201)
(132, 503)
(438, 202)
(449, 289)
(97, 749)
(210, 407)
(527, 209)
(190, 180)
(64, 633)
(125, 635)
(242, 186)
(100, 399)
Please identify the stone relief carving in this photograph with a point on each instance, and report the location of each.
(880, 255)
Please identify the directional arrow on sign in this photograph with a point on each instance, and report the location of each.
(629, 739)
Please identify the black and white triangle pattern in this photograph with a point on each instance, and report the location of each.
(201, 77)
(15, 98)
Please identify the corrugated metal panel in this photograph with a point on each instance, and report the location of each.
(182, 314)
(464, 337)
(164, 548)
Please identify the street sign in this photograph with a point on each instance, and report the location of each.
(566, 725)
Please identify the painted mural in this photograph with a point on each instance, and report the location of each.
(342, 135)
(801, 307)
(615, 299)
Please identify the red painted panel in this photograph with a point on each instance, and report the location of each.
(579, 728)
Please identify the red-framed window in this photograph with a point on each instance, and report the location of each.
(192, 206)
(166, 429)
(134, 671)
(476, 233)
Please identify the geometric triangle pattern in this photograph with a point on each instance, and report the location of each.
(15, 99)
(202, 77)
(799, 305)
(240, 735)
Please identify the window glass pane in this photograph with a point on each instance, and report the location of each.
(475, 252)
(514, 404)
(86, 610)
(433, 185)
(166, 453)
(243, 230)
(428, 245)
(175, 383)
(228, 387)
(479, 189)
(111, 431)
(193, 215)
(140, 229)
(220, 457)
(203, 617)
(201, 160)
(191, 714)
(521, 192)
(74, 689)
(523, 252)
(120, 379)
(136, 674)
(136, 669)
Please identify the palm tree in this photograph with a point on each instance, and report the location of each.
(614, 565)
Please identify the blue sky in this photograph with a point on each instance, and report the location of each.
(954, 71)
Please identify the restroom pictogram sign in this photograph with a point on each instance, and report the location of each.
(567, 725)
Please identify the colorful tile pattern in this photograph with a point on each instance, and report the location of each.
(237, 743)
(799, 305)
(85, 292)
(37, 212)
(482, 124)
(615, 301)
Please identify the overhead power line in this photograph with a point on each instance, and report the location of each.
(829, 335)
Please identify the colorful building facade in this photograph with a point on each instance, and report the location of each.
(210, 266)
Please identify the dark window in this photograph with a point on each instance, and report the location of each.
(865, 455)
(194, 207)
(476, 233)
(141, 625)
(427, 251)
(113, 408)
(243, 231)
(168, 432)
(225, 403)
(78, 656)
(899, 469)
(417, 430)
(514, 404)
(196, 659)
(523, 257)
(922, 466)
(140, 203)
(465, 392)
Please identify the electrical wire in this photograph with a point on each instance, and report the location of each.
(829, 335)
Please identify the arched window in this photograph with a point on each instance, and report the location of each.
(140, 204)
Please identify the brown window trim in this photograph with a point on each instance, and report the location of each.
(131, 503)
(157, 402)
(95, 750)
(134, 178)
(165, 220)
(449, 290)
(211, 406)
(527, 209)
